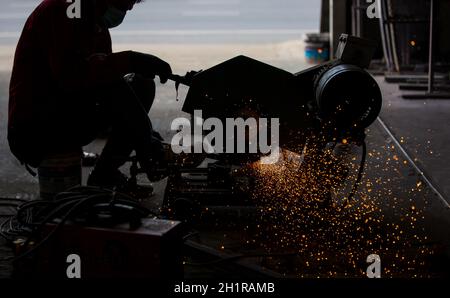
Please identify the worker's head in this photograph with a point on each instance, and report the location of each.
(116, 10)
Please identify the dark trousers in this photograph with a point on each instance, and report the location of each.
(130, 126)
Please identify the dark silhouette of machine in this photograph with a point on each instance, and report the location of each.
(325, 104)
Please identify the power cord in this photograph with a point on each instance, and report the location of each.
(360, 174)
(79, 204)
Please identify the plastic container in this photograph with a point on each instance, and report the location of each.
(317, 47)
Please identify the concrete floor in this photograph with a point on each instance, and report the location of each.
(423, 128)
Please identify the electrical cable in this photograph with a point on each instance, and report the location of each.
(190, 235)
(360, 174)
(75, 204)
(49, 235)
(13, 200)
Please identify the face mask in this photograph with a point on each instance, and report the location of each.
(113, 17)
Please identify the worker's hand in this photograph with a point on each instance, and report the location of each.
(149, 66)
(164, 71)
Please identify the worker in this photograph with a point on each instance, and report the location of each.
(67, 87)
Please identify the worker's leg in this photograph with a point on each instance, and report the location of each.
(130, 102)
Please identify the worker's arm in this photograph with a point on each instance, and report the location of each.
(74, 67)
(121, 63)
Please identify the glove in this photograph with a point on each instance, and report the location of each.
(149, 66)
